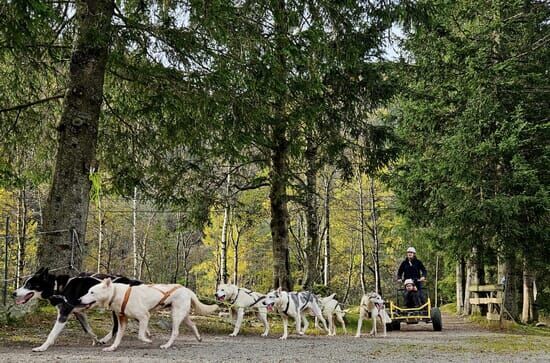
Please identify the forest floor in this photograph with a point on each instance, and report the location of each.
(458, 342)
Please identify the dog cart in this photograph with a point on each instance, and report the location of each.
(424, 312)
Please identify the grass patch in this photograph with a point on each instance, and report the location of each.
(509, 344)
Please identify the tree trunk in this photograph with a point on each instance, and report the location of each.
(279, 213)
(376, 241)
(511, 286)
(134, 240)
(279, 152)
(68, 200)
(179, 239)
(22, 223)
(236, 258)
(326, 267)
(529, 313)
(223, 248)
(460, 286)
(312, 219)
(362, 234)
(100, 233)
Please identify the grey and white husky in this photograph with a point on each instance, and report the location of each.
(294, 305)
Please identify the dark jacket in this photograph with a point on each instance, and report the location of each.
(411, 269)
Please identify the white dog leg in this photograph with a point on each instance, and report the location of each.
(298, 320)
(306, 322)
(323, 323)
(383, 324)
(341, 320)
(178, 316)
(240, 314)
(285, 327)
(122, 322)
(374, 314)
(57, 328)
(191, 325)
(360, 321)
(143, 324)
(331, 326)
(263, 318)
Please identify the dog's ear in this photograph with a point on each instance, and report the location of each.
(46, 270)
(279, 289)
(40, 271)
(107, 281)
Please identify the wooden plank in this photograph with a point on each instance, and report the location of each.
(486, 288)
(485, 300)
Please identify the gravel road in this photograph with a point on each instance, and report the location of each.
(458, 342)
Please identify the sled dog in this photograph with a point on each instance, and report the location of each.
(374, 304)
(294, 305)
(331, 308)
(240, 299)
(137, 302)
(63, 292)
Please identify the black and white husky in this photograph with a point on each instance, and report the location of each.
(64, 292)
(240, 299)
(295, 305)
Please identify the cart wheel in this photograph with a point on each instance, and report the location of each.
(436, 319)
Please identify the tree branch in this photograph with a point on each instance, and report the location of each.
(30, 104)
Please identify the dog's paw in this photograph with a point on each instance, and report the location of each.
(109, 349)
(145, 340)
(165, 346)
(233, 334)
(264, 334)
(40, 349)
(357, 335)
(282, 338)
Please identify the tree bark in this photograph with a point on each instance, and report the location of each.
(326, 267)
(460, 286)
(22, 223)
(279, 213)
(376, 241)
(68, 200)
(312, 218)
(223, 248)
(362, 234)
(511, 285)
(134, 239)
(529, 313)
(279, 153)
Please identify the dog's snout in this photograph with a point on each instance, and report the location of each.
(14, 295)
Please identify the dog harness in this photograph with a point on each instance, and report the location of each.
(165, 295)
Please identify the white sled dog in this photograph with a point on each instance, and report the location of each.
(331, 308)
(137, 302)
(374, 304)
(240, 299)
(295, 305)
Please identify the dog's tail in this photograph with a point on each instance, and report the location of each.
(201, 308)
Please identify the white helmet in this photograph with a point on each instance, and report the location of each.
(411, 249)
(408, 281)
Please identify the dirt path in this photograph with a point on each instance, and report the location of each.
(458, 342)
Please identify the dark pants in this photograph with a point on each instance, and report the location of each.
(412, 299)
